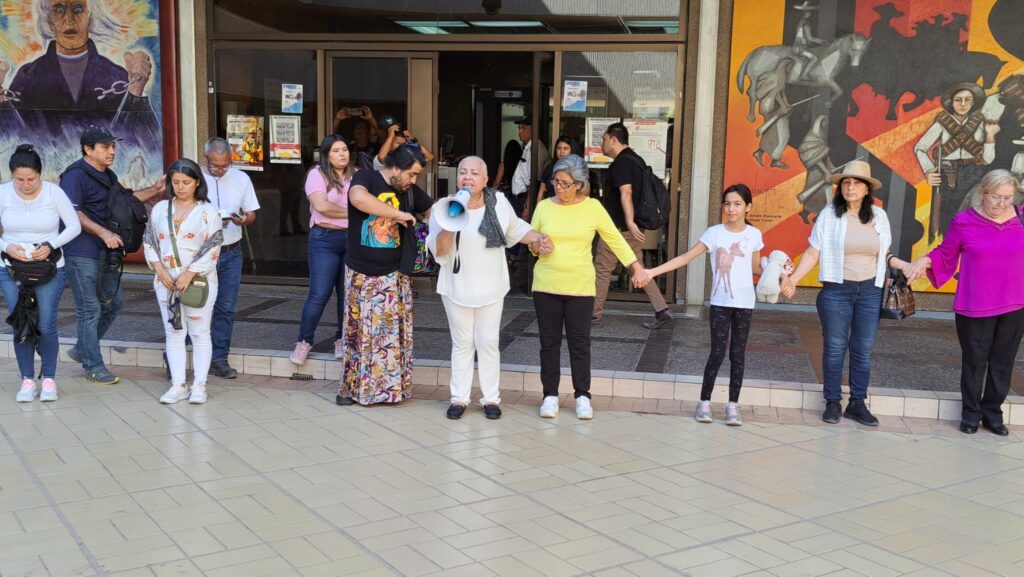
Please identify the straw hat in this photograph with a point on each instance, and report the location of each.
(856, 169)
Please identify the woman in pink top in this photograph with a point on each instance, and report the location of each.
(327, 189)
(985, 241)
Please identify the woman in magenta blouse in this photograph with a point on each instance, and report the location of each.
(989, 300)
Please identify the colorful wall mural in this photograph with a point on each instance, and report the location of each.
(66, 64)
(929, 92)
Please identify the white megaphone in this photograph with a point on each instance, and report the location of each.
(451, 211)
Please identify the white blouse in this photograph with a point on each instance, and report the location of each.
(198, 227)
(483, 277)
(38, 220)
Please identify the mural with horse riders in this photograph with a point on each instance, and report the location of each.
(929, 92)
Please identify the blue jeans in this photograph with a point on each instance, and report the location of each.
(326, 275)
(47, 299)
(229, 279)
(849, 313)
(94, 316)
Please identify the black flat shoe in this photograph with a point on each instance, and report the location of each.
(492, 411)
(344, 401)
(455, 411)
(999, 429)
(832, 411)
(968, 428)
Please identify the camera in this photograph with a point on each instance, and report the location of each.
(358, 112)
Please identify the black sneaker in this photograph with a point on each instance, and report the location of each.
(492, 411)
(344, 401)
(858, 411)
(832, 411)
(222, 369)
(455, 411)
(661, 319)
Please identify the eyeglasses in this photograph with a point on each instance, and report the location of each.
(1001, 199)
(564, 185)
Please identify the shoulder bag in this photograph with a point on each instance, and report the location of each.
(897, 297)
(198, 289)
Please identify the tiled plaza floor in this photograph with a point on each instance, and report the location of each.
(272, 478)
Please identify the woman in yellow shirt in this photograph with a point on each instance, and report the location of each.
(564, 278)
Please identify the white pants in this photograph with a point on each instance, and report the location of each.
(195, 323)
(475, 330)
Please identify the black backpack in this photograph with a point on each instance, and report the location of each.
(126, 215)
(653, 203)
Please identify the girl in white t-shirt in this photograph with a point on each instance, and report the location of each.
(735, 248)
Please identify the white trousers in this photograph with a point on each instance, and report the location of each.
(195, 323)
(475, 330)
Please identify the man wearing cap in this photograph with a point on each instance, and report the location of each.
(93, 258)
(966, 145)
(232, 191)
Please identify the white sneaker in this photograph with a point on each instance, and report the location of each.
(549, 408)
(300, 353)
(583, 409)
(27, 394)
(703, 414)
(198, 395)
(49, 392)
(174, 394)
(339, 349)
(733, 418)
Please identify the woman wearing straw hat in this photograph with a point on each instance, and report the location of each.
(851, 243)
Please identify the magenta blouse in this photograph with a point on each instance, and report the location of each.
(990, 256)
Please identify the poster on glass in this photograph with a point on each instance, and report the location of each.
(245, 135)
(285, 147)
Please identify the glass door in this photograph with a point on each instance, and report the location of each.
(368, 94)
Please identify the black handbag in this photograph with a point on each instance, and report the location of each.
(33, 272)
(897, 297)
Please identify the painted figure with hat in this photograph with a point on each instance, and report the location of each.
(955, 150)
(805, 38)
(850, 243)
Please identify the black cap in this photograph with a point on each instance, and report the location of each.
(525, 120)
(94, 134)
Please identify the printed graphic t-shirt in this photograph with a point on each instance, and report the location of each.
(731, 265)
(375, 244)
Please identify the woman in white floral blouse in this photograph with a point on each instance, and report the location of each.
(197, 232)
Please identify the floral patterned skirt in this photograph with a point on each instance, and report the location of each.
(377, 335)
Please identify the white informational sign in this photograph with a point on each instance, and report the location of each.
(285, 143)
(592, 145)
(649, 139)
(574, 96)
(291, 98)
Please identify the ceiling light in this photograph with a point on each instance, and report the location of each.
(507, 24)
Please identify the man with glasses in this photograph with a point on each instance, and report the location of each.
(232, 192)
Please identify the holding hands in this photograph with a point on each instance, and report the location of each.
(641, 278)
(542, 246)
(788, 286)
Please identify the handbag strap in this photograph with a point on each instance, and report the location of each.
(171, 232)
(457, 264)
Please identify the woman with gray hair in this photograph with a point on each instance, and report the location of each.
(473, 281)
(564, 283)
(989, 299)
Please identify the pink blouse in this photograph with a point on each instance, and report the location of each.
(991, 280)
(315, 182)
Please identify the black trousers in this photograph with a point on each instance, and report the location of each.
(555, 312)
(726, 320)
(989, 347)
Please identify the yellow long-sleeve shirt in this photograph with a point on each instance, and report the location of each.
(569, 269)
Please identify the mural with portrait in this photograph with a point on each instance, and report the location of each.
(66, 64)
(929, 92)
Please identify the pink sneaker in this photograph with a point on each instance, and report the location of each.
(300, 353)
(339, 349)
(27, 394)
(49, 392)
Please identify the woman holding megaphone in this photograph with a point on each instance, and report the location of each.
(468, 237)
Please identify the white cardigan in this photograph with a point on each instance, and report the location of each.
(200, 224)
(483, 277)
(829, 237)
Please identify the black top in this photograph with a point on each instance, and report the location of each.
(548, 178)
(625, 169)
(376, 244)
(87, 189)
(510, 158)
